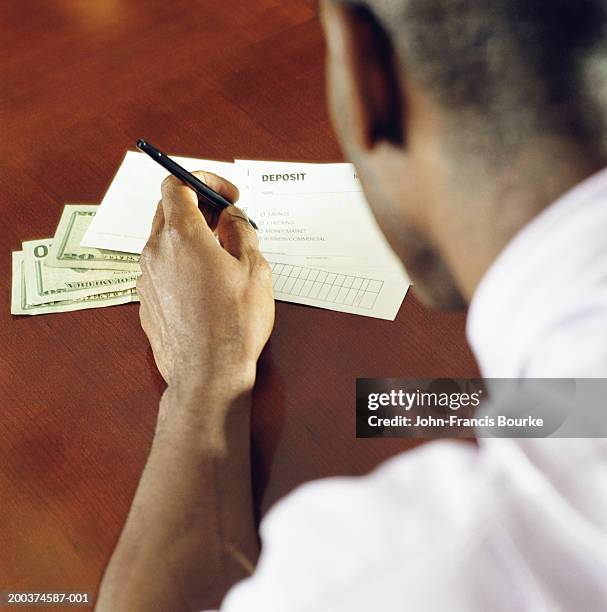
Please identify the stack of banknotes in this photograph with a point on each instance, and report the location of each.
(58, 275)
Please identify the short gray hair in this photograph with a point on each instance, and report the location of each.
(520, 64)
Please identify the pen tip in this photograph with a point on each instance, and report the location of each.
(141, 143)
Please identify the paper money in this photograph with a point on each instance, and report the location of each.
(46, 284)
(66, 251)
(20, 300)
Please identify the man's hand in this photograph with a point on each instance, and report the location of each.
(207, 308)
(206, 305)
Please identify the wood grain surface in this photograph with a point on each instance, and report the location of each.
(80, 81)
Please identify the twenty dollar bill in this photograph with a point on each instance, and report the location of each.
(21, 306)
(66, 251)
(45, 284)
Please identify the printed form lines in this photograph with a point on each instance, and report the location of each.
(330, 287)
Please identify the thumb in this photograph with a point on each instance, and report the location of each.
(236, 235)
(179, 203)
(219, 184)
(222, 187)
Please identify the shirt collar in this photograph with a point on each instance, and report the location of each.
(543, 277)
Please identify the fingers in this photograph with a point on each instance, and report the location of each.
(150, 245)
(180, 202)
(180, 210)
(217, 183)
(222, 187)
(237, 236)
(157, 222)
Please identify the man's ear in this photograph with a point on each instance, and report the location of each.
(363, 72)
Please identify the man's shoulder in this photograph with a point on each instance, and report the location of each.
(338, 538)
(446, 526)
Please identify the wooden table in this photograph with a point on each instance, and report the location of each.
(80, 81)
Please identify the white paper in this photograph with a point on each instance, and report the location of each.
(370, 292)
(321, 239)
(124, 219)
(316, 229)
(315, 213)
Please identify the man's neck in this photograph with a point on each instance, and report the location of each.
(498, 205)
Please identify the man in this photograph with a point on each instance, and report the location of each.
(470, 124)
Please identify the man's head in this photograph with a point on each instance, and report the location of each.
(464, 119)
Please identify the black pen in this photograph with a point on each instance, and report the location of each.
(210, 196)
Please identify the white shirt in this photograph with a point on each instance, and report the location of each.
(511, 525)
